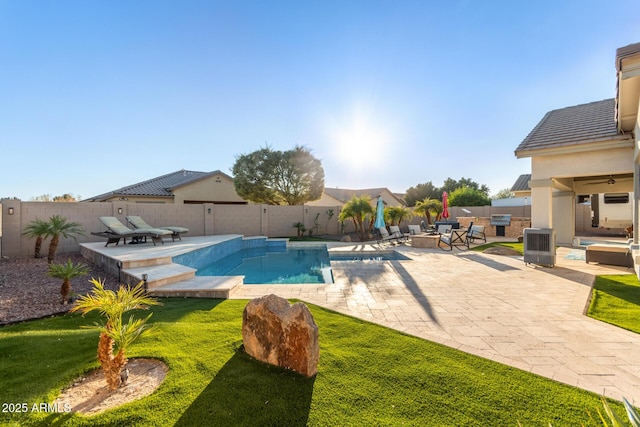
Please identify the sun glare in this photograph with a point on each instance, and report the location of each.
(359, 140)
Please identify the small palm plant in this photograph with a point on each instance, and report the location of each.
(61, 226)
(38, 229)
(360, 211)
(397, 214)
(428, 208)
(66, 272)
(115, 335)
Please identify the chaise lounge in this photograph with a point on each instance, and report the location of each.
(116, 230)
(140, 223)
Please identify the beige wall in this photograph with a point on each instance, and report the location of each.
(569, 165)
(217, 188)
(202, 219)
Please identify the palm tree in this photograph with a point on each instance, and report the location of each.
(38, 229)
(397, 214)
(116, 336)
(359, 210)
(66, 272)
(60, 226)
(429, 207)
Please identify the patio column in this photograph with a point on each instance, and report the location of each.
(541, 203)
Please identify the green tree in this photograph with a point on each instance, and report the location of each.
(505, 193)
(450, 185)
(115, 335)
(360, 211)
(429, 208)
(60, 226)
(290, 177)
(465, 196)
(66, 272)
(396, 214)
(421, 192)
(38, 229)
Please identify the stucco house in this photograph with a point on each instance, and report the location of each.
(183, 186)
(340, 196)
(520, 188)
(586, 149)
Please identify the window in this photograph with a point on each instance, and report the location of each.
(616, 198)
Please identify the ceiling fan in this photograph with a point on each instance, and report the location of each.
(610, 181)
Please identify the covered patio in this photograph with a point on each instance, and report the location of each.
(584, 150)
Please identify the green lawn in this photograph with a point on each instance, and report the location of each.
(616, 300)
(368, 375)
(513, 245)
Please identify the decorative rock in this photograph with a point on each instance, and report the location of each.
(346, 239)
(281, 334)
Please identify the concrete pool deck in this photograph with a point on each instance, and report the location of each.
(525, 316)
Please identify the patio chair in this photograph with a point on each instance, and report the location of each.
(444, 228)
(116, 230)
(455, 238)
(385, 236)
(415, 230)
(395, 230)
(476, 232)
(140, 223)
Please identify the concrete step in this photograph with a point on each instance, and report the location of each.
(160, 275)
(201, 287)
(148, 262)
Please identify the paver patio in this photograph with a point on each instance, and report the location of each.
(525, 316)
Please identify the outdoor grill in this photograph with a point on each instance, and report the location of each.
(500, 221)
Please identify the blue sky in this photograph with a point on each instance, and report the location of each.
(98, 95)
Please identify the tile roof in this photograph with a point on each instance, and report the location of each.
(160, 186)
(522, 183)
(575, 125)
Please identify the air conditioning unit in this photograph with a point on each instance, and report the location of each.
(540, 246)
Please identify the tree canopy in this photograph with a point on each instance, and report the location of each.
(466, 196)
(273, 177)
(422, 191)
(429, 191)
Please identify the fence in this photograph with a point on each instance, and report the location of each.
(202, 220)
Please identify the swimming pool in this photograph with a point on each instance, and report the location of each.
(265, 265)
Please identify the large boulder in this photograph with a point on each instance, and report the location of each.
(281, 334)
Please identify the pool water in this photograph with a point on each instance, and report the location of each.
(274, 265)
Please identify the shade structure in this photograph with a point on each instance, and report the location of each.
(379, 214)
(445, 205)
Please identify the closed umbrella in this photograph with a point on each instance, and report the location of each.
(379, 214)
(445, 205)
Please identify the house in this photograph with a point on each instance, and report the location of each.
(183, 186)
(340, 196)
(520, 188)
(586, 149)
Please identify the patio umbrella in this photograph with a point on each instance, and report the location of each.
(445, 205)
(379, 214)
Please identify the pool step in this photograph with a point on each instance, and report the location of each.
(201, 287)
(160, 275)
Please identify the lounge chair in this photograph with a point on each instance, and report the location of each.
(384, 235)
(140, 223)
(395, 230)
(117, 230)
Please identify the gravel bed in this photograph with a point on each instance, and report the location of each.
(27, 292)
